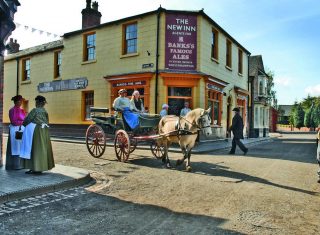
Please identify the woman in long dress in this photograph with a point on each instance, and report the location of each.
(16, 116)
(41, 156)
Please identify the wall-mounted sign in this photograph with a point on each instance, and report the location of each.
(150, 65)
(63, 85)
(134, 83)
(213, 87)
(181, 42)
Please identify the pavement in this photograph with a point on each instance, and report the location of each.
(15, 184)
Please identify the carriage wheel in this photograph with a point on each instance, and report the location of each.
(122, 145)
(157, 150)
(95, 140)
(133, 144)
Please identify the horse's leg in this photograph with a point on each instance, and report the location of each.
(188, 166)
(165, 159)
(184, 152)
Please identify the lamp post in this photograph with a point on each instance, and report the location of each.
(7, 10)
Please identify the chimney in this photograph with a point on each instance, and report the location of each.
(13, 46)
(90, 16)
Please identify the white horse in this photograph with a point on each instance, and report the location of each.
(184, 131)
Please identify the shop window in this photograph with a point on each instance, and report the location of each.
(89, 49)
(214, 45)
(214, 100)
(240, 61)
(177, 96)
(57, 64)
(229, 54)
(26, 65)
(88, 101)
(130, 38)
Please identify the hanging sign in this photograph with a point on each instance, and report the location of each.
(63, 85)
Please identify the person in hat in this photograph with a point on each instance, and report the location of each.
(164, 110)
(237, 130)
(318, 153)
(36, 145)
(185, 110)
(123, 104)
(16, 116)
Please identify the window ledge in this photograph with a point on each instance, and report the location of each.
(215, 60)
(26, 82)
(240, 74)
(227, 67)
(88, 62)
(129, 55)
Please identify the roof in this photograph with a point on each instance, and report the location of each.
(33, 50)
(286, 108)
(256, 65)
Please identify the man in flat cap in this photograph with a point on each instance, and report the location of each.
(237, 130)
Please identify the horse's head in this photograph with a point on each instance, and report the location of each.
(204, 122)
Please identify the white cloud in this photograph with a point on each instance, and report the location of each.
(313, 90)
(282, 81)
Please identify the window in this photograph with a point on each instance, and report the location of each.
(57, 64)
(214, 45)
(176, 98)
(26, 63)
(89, 52)
(240, 61)
(88, 101)
(130, 38)
(214, 100)
(229, 54)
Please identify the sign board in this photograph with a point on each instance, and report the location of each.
(63, 85)
(144, 66)
(133, 83)
(213, 87)
(181, 42)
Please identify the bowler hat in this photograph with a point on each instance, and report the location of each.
(236, 109)
(122, 91)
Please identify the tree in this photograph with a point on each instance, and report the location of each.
(315, 116)
(307, 118)
(298, 117)
(271, 93)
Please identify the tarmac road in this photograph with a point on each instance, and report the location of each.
(271, 190)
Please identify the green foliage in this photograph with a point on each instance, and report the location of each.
(298, 117)
(307, 118)
(271, 93)
(316, 116)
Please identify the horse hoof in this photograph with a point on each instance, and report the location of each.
(188, 168)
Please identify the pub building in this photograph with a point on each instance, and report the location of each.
(169, 56)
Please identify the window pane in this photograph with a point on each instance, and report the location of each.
(216, 112)
(179, 91)
(88, 103)
(175, 106)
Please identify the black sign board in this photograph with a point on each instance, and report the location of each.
(63, 85)
(144, 66)
(134, 83)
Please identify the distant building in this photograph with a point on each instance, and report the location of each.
(284, 114)
(170, 56)
(260, 106)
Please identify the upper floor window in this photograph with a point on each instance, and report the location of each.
(262, 86)
(229, 54)
(57, 64)
(130, 38)
(89, 52)
(214, 45)
(26, 64)
(240, 61)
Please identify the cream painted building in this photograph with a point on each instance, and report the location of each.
(169, 56)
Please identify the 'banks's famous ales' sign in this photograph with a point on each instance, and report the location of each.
(181, 42)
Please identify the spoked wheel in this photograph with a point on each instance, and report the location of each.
(133, 144)
(157, 150)
(122, 145)
(95, 140)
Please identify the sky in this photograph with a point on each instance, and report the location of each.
(286, 33)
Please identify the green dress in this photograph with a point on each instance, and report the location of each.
(41, 151)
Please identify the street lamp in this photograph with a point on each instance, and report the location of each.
(7, 10)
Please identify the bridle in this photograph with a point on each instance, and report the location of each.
(200, 124)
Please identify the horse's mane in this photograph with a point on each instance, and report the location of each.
(194, 115)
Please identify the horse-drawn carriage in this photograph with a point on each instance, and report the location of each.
(107, 126)
(159, 133)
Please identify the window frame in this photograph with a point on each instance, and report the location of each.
(213, 97)
(215, 44)
(26, 73)
(184, 98)
(86, 48)
(228, 53)
(57, 64)
(84, 104)
(125, 40)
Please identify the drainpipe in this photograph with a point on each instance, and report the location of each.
(157, 61)
(17, 88)
(251, 81)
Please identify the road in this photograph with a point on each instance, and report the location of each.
(271, 190)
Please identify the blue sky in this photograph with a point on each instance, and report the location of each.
(285, 32)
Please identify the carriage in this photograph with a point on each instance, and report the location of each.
(114, 127)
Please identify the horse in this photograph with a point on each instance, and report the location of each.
(184, 131)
